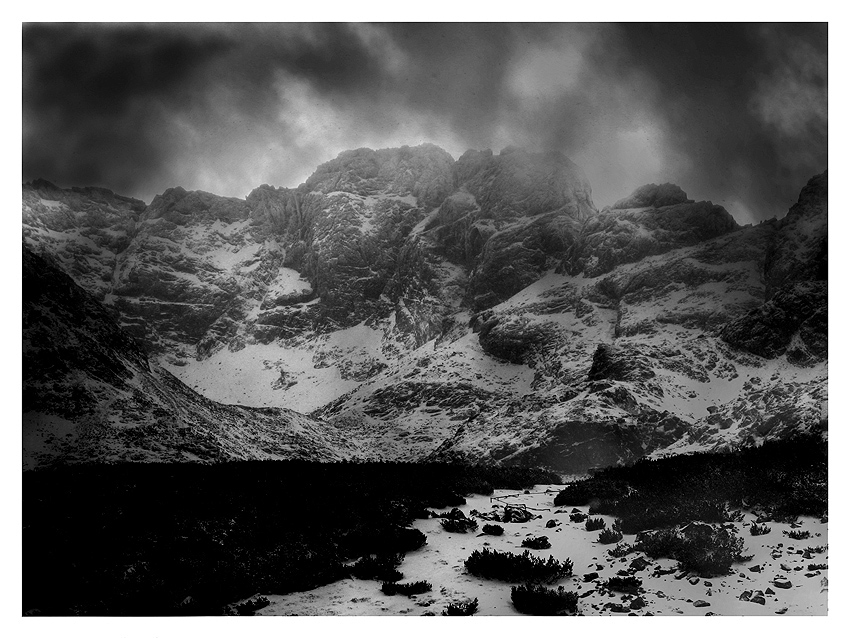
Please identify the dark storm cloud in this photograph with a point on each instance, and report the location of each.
(746, 104)
(735, 113)
(101, 101)
(93, 98)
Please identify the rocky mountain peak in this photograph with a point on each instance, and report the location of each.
(43, 187)
(655, 196)
(813, 198)
(179, 206)
(799, 250)
(422, 171)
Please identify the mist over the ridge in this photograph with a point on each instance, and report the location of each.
(735, 113)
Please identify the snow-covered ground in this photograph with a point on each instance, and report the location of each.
(440, 562)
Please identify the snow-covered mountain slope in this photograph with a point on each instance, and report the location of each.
(91, 394)
(480, 308)
(84, 229)
(601, 369)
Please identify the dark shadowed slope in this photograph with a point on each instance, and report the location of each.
(91, 394)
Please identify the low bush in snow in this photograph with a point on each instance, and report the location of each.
(705, 549)
(608, 536)
(459, 525)
(537, 542)
(465, 608)
(593, 524)
(517, 568)
(625, 584)
(248, 607)
(381, 567)
(538, 600)
(759, 530)
(406, 589)
(493, 530)
(621, 550)
(798, 535)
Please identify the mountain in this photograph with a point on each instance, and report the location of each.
(481, 308)
(90, 393)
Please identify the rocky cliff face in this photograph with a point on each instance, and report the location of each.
(90, 393)
(481, 308)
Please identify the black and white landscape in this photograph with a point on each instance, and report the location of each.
(374, 393)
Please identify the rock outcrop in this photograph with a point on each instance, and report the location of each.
(793, 320)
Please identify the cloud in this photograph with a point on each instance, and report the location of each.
(734, 113)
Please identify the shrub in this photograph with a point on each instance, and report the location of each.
(621, 550)
(466, 608)
(408, 539)
(816, 566)
(381, 567)
(707, 550)
(602, 506)
(578, 517)
(538, 542)
(759, 530)
(666, 510)
(608, 536)
(396, 540)
(517, 568)
(820, 549)
(248, 607)
(459, 525)
(593, 524)
(493, 530)
(406, 589)
(583, 492)
(454, 514)
(785, 478)
(446, 498)
(625, 584)
(538, 600)
(798, 535)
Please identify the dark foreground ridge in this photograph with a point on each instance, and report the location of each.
(169, 539)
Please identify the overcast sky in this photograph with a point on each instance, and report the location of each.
(732, 113)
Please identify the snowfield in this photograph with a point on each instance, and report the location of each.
(441, 562)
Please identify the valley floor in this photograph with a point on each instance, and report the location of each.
(441, 562)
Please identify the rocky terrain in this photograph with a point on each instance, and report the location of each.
(777, 580)
(421, 307)
(92, 394)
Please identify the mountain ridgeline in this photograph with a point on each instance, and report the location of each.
(420, 308)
